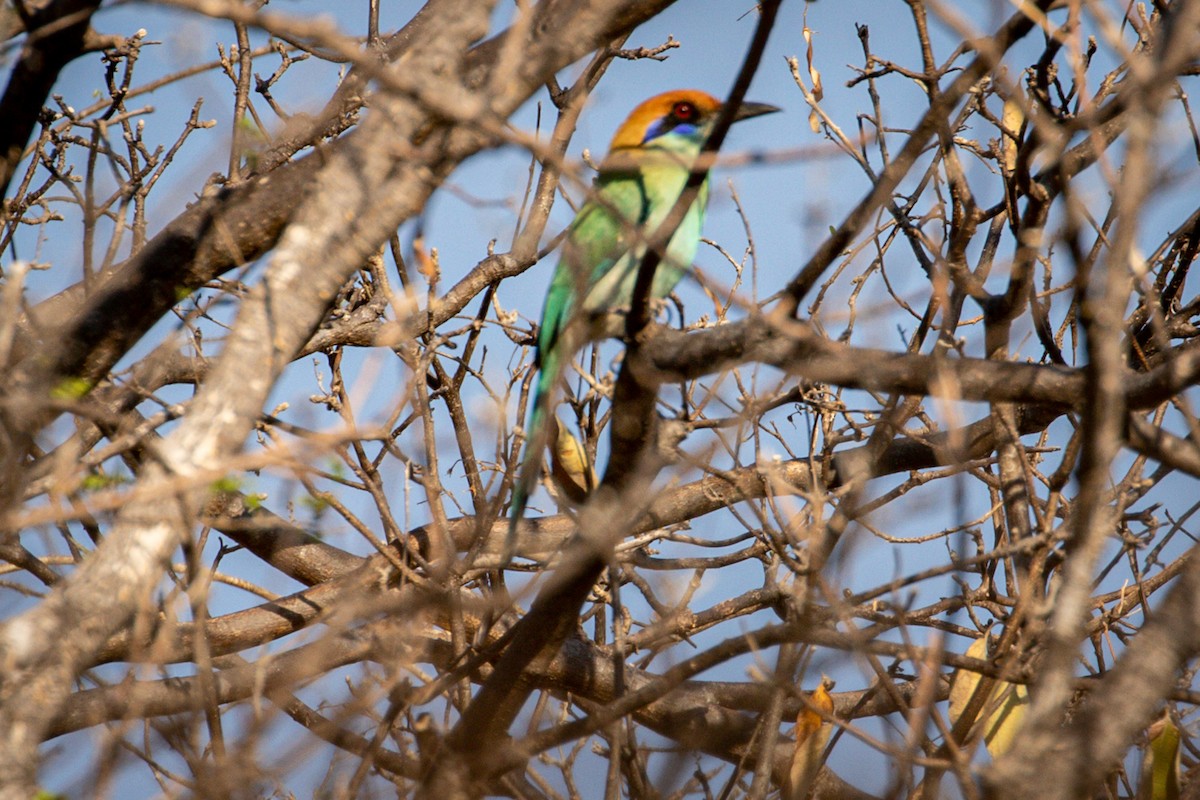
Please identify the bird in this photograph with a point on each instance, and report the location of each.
(648, 164)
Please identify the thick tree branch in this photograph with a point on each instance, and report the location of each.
(56, 33)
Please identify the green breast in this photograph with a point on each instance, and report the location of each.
(607, 242)
(658, 188)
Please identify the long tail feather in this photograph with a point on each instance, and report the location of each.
(537, 437)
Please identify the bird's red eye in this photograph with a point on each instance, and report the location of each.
(684, 111)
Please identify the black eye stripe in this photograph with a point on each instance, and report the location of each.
(684, 116)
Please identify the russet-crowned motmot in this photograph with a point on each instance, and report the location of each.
(648, 163)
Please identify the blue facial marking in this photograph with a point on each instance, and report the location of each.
(669, 125)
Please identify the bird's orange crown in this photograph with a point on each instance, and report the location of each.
(632, 132)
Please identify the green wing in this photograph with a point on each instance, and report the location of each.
(604, 247)
(599, 264)
(598, 238)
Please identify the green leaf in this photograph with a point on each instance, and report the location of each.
(1160, 766)
(314, 504)
(71, 388)
(227, 484)
(99, 481)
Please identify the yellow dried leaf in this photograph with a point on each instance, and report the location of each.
(814, 75)
(964, 681)
(1013, 119)
(427, 260)
(1009, 703)
(812, 734)
(1004, 710)
(569, 465)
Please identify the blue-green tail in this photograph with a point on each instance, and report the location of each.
(537, 437)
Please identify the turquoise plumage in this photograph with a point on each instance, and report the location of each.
(649, 161)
